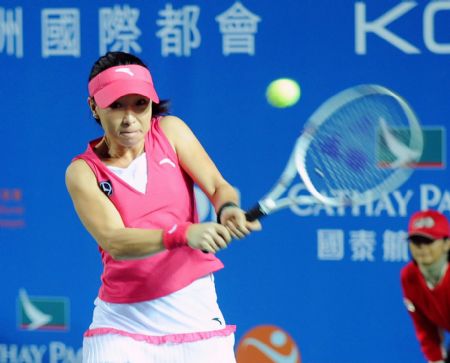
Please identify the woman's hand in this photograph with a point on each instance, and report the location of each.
(208, 237)
(234, 219)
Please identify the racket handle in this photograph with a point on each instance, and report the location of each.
(254, 213)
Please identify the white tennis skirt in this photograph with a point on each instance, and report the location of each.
(184, 327)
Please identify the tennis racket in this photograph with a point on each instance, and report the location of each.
(357, 146)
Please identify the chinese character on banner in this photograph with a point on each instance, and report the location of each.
(12, 209)
(362, 243)
(330, 244)
(179, 33)
(11, 32)
(10, 195)
(238, 26)
(60, 32)
(118, 30)
(395, 246)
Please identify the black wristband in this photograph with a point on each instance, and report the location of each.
(222, 207)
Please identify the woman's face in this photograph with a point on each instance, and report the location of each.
(127, 120)
(427, 254)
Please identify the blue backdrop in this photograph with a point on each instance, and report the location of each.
(329, 278)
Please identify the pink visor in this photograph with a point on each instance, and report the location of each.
(116, 82)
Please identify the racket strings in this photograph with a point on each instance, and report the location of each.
(350, 154)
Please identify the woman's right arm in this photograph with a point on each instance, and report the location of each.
(102, 220)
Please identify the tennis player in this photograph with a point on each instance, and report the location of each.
(133, 191)
(426, 282)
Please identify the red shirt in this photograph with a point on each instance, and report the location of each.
(429, 309)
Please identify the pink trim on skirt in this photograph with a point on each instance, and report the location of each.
(163, 339)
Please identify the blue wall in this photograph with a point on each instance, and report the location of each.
(344, 308)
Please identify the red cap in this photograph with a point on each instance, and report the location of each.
(115, 82)
(429, 223)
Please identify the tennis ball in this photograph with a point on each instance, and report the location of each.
(283, 92)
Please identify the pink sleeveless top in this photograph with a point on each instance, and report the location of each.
(168, 200)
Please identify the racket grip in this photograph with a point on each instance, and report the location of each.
(254, 213)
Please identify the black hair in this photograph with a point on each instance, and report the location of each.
(113, 59)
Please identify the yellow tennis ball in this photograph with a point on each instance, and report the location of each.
(283, 92)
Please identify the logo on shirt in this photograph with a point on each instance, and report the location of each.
(267, 344)
(106, 187)
(167, 161)
(409, 305)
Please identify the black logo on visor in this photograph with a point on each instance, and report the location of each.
(106, 187)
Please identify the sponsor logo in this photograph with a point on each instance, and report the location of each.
(267, 344)
(409, 305)
(173, 229)
(395, 145)
(398, 203)
(167, 161)
(106, 187)
(426, 222)
(42, 313)
(55, 352)
(392, 151)
(125, 70)
(433, 20)
(218, 320)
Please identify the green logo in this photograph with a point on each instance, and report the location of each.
(433, 148)
(42, 313)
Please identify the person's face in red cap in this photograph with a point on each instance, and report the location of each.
(428, 251)
(126, 121)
